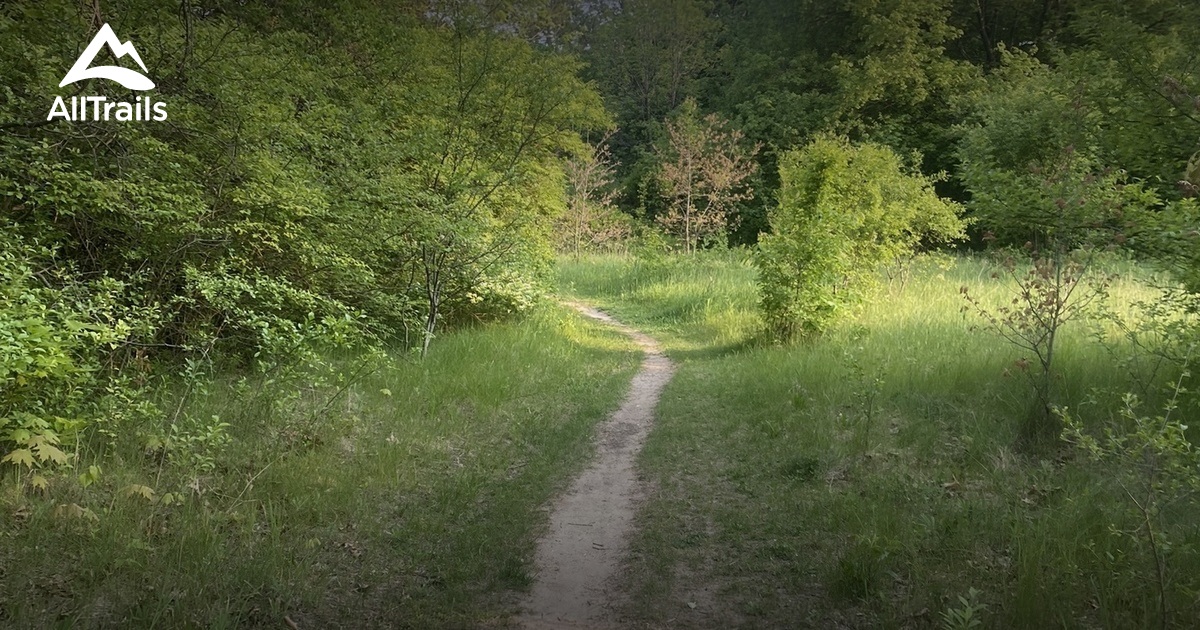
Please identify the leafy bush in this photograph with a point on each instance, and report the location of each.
(1033, 167)
(51, 344)
(843, 211)
(295, 181)
(1150, 461)
(301, 196)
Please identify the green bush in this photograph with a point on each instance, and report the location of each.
(51, 342)
(843, 211)
(301, 196)
(1035, 172)
(298, 190)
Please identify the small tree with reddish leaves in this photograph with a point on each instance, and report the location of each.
(1051, 290)
(1069, 208)
(702, 173)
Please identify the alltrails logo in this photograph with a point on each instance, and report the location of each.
(99, 107)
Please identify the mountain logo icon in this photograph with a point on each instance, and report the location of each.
(129, 78)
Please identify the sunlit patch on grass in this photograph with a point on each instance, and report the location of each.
(873, 476)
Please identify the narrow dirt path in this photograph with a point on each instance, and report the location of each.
(577, 560)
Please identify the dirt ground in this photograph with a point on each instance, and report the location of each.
(579, 557)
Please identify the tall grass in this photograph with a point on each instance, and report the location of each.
(704, 302)
(871, 477)
(412, 501)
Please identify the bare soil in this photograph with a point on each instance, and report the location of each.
(579, 557)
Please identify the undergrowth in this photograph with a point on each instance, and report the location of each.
(387, 492)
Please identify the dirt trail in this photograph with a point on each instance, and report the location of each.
(578, 558)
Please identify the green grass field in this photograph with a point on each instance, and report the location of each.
(872, 477)
(413, 502)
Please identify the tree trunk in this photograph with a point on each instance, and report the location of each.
(433, 295)
(687, 216)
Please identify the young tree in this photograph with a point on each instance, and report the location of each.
(1039, 186)
(483, 177)
(591, 218)
(702, 173)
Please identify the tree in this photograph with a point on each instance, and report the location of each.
(896, 84)
(649, 56)
(647, 59)
(989, 24)
(844, 210)
(591, 219)
(1039, 186)
(348, 172)
(702, 173)
(1137, 70)
(485, 179)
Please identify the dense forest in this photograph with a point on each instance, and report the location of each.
(340, 191)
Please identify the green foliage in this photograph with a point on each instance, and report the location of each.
(648, 59)
(400, 490)
(1135, 67)
(309, 191)
(51, 339)
(879, 71)
(844, 210)
(1115, 80)
(314, 183)
(1169, 237)
(966, 615)
(1034, 170)
(1037, 173)
(896, 84)
(1157, 469)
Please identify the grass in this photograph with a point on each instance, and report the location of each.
(412, 501)
(870, 478)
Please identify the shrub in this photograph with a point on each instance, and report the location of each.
(52, 340)
(843, 211)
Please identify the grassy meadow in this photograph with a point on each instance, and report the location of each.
(873, 477)
(870, 478)
(406, 498)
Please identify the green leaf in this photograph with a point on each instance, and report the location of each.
(47, 452)
(146, 492)
(20, 456)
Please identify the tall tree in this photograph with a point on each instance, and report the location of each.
(988, 24)
(650, 54)
(647, 60)
(484, 137)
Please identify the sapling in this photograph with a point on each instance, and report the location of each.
(1154, 464)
